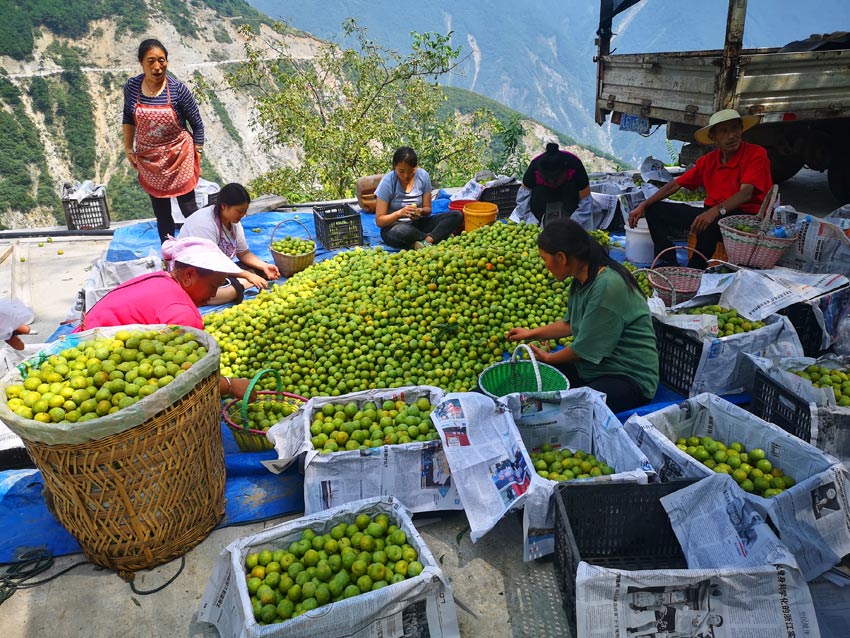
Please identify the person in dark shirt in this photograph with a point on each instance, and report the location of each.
(559, 187)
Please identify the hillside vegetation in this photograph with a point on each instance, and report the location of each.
(62, 70)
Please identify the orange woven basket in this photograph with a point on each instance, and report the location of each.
(675, 284)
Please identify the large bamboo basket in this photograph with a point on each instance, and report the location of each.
(147, 495)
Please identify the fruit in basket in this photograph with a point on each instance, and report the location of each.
(103, 375)
(337, 574)
(351, 426)
(750, 469)
(744, 228)
(641, 278)
(728, 320)
(369, 319)
(293, 245)
(566, 465)
(262, 414)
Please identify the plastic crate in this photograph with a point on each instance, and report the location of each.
(678, 357)
(617, 525)
(338, 226)
(15, 458)
(89, 214)
(778, 405)
(802, 317)
(503, 196)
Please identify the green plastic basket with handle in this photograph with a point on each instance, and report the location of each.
(521, 375)
(248, 439)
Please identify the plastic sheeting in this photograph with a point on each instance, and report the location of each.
(252, 493)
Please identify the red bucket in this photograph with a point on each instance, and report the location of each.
(458, 204)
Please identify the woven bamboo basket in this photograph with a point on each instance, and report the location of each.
(755, 249)
(517, 375)
(147, 495)
(248, 439)
(288, 265)
(675, 284)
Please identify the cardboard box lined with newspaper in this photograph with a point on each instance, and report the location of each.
(342, 597)
(365, 444)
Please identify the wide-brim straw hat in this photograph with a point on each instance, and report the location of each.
(725, 115)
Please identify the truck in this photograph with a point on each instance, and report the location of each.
(801, 91)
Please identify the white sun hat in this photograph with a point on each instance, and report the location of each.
(199, 252)
(725, 115)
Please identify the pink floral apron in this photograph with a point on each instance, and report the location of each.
(165, 153)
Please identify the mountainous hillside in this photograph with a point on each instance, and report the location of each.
(538, 58)
(61, 98)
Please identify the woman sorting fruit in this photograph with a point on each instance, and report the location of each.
(403, 209)
(735, 176)
(156, 141)
(613, 349)
(197, 268)
(221, 224)
(559, 187)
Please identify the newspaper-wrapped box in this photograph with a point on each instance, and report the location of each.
(575, 419)
(416, 473)
(722, 367)
(812, 516)
(421, 605)
(770, 601)
(821, 247)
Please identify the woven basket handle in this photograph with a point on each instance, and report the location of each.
(765, 213)
(290, 221)
(530, 352)
(243, 406)
(650, 273)
(693, 250)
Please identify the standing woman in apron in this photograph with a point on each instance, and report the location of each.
(156, 141)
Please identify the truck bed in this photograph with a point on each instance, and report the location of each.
(684, 87)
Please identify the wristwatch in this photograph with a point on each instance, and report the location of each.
(722, 211)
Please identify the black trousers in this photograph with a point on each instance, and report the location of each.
(162, 211)
(621, 393)
(666, 218)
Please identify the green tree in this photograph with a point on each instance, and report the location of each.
(511, 156)
(348, 108)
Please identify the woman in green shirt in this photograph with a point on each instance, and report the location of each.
(613, 349)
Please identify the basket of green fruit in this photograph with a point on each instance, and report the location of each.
(520, 375)
(249, 421)
(292, 254)
(753, 241)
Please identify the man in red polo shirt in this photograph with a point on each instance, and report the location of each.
(735, 176)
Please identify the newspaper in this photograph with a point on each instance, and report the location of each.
(577, 419)
(769, 601)
(717, 526)
(489, 463)
(416, 473)
(723, 367)
(832, 606)
(653, 170)
(822, 245)
(780, 370)
(418, 606)
(812, 517)
(759, 294)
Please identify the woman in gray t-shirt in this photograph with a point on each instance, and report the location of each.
(403, 211)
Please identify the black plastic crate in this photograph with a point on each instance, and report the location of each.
(338, 226)
(802, 317)
(616, 525)
(678, 357)
(89, 214)
(503, 196)
(778, 405)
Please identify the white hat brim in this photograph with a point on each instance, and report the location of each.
(702, 137)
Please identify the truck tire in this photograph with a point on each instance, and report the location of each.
(839, 178)
(783, 166)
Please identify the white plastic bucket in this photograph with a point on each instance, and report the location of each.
(639, 248)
